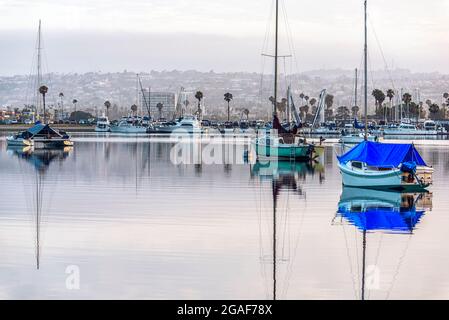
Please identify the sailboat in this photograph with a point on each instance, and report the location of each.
(41, 135)
(283, 143)
(373, 211)
(377, 165)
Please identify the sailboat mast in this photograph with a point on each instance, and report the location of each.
(356, 86)
(276, 58)
(39, 66)
(274, 237)
(366, 72)
(363, 264)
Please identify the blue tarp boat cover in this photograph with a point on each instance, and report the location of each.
(383, 219)
(42, 129)
(383, 155)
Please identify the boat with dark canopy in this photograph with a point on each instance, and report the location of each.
(382, 165)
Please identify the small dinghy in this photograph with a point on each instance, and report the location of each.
(21, 139)
(381, 165)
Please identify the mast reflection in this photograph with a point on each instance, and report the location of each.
(375, 211)
(40, 160)
(285, 177)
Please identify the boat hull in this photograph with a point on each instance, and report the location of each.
(98, 129)
(52, 143)
(390, 132)
(128, 130)
(391, 179)
(284, 151)
(19, 142)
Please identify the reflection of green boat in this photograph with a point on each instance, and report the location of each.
(274, 168)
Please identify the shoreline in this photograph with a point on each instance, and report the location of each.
(68, 128)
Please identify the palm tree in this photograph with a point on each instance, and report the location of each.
(74, 101)
(228, 97)
(355, 111)
(61, 98)
(107, 104)
(134, 109)
(301, 95)
(246, 113)
(312, 102)
(307, 99)
(379, 96)
(303, 112)
(159, 107)
(390, 95)
(282, 106)
(407, 98)
(43, 91)
(329, 102)
(434, 109)
(199, 96)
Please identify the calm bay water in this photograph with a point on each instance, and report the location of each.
(136, 225)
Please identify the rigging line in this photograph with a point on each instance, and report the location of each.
(290, 37)
(297, 242)
(357, 255)
(377, 258)
(371, 72)
(289, 261)
(401, 260)
(382, 53)
(351, 271)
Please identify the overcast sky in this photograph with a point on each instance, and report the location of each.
(223, 35)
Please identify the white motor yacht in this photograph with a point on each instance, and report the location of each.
(103, 124)
(131, 125)
(186, 124)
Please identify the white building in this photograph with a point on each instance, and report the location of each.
(167, 99)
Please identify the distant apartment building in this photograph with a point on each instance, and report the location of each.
(167, 99)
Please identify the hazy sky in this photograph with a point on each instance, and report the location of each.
(224, 35)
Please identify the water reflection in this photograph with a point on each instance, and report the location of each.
(40, 160)
(285, 177)
(375, 211)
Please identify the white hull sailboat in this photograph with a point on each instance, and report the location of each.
(377, 165)
(284, 144)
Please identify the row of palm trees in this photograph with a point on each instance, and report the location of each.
(408, 108)
(43, 90)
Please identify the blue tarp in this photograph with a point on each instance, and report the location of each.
(383, 154)
(383, 219)
(36, 128)
(43, 129)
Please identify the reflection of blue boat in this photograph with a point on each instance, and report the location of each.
(41, 158)
(374, 210)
